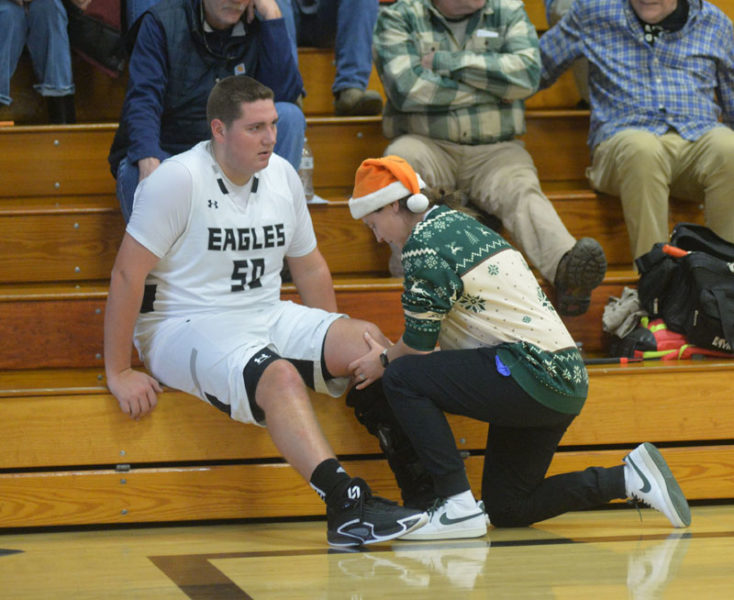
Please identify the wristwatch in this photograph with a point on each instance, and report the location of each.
(384, 359)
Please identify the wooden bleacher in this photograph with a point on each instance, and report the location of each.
(69, 457)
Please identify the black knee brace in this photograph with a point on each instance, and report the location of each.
(372, 410)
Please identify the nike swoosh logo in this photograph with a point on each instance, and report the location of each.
(646, 487)
(444, 519)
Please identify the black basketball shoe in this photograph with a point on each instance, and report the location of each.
(361, 518)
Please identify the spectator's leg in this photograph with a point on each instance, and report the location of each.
(291, 132)
(706, 170)
(635, 166)
(503, 180)
(347, 25)
(13, 28)
(48, 44)
(353, 49)
(127, 181)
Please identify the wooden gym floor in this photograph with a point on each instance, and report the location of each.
(587, 555)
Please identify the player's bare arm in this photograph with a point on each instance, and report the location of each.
(136, 392)
(313, 280)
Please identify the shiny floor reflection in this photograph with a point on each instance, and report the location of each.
(591, 555)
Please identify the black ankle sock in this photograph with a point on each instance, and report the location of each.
(330, 481)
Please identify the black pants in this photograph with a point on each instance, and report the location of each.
(523, 436)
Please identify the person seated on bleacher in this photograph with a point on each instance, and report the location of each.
(202, 256)
(661, 78)
(347, 25)
(182, 48)
(42, 26)
(455, 73)
(554, 11)
(505, 358)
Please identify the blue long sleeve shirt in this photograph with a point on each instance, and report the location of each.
(149, 71)
(684, 81)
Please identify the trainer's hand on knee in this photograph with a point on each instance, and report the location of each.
(136, 392)
(367, 368)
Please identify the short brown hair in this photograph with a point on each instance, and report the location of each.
(228, 95)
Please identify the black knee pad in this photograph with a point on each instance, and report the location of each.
(252, 372)
(373, 411)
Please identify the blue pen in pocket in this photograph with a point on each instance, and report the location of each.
(502, 368)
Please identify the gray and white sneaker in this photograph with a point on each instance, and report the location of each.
(648, 479)
(445, 523)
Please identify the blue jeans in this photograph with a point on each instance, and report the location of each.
(289, 145)
(41, 25)
(348, 25)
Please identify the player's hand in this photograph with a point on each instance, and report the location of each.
(136, 392)
(367, 368)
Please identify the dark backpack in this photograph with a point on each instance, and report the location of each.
(689, 283)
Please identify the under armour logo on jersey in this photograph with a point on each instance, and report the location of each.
(261, 358)
(354, 492)
(212, 204)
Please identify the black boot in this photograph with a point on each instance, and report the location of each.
(61, 109)
(372, 410)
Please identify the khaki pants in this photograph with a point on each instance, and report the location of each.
(645, 169)
(501, 178)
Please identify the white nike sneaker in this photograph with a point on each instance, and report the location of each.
(648, 479)
(444, 524)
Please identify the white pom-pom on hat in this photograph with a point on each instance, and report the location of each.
(418, 203)
(381, 181)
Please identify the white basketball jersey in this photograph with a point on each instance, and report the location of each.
(231, 252)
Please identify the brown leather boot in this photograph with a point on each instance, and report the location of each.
(356, 102)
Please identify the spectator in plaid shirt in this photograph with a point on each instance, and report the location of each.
(661, 77)
(455, 73)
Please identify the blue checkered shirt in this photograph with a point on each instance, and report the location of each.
(683, 82)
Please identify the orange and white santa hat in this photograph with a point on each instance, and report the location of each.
(382, 181)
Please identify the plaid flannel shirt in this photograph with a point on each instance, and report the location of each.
(474, 92)
(684, 81)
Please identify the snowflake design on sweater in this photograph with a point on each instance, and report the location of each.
(472, 303)
(493, 269)
(543, 299)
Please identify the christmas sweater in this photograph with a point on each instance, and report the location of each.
(467, 287)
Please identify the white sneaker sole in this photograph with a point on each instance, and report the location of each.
(428, 532)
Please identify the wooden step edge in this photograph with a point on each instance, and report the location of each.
(75, 128)
(313, 120)
(52, 382)
(86, 381)
(66, 290)
(97, 289)
(77, 204)
(654, 367)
